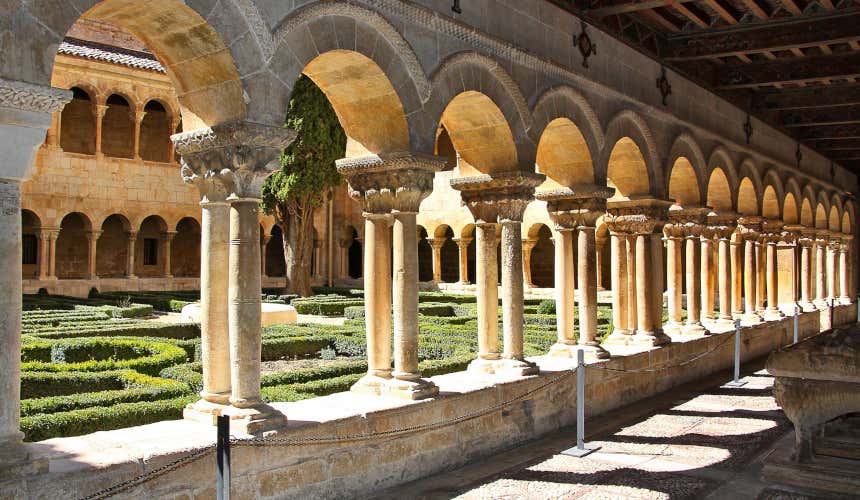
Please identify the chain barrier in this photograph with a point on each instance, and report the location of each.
(260, 441)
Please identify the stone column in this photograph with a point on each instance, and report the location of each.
(264, 242)
(528, 245)
(707, 274)
(587, 282)
(820, 270)
(167, 242)
(26, 116)
(844, 272)
(618, 256)
(749, 227)
(630, 255)
(385, 184)
(692, 247)
(674, 285)
(130, 259)
(770, 240)
(723, 227)
(463, 254)
(228, 163)
(436, 245)
(805, 243)
(503, 198)
(832, 268)
(52, 139)
(760, 276)
(564, 294)
(92, 239)
(171, 149)
(99, 112)
(599, 246)
(137, 119)
(47, 249)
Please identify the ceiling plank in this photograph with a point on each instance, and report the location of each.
(783, 71)
(757, 9)
(723, 9)
(791, 7)
(827, 4)
(692, 16)
(820, 117)
(765, 37)
(660, 20)
(833, 96)
(628, 7)
(829, 132)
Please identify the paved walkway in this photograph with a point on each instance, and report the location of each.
(699, 441)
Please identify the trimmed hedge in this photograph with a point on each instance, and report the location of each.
(131, 328)
(325, 305)
(100, 354)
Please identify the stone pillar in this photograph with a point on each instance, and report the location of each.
(587, 285)
(385, 184)
(692, 245)
(463, 254)
(528, 245)
(674, 284)
(500, 198)
(630, 255)
(844, 272)
(707, 274)
(171, 149)
(760, 276)
(769, 241)
(137, 119)
(832, 268)
(130, 259)
(436, 245)
(820, 270)
(167, 242)
(564, 294)
(725, 274)
(805, 243)
(750, 227)
(600, 244)
(25, 117)
(99, 112)
(47, 251)
(737, 255)
(52, 138)
(618, 256)
(92, 239)
(228, 164)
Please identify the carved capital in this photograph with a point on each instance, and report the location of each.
(579, 206)
(498, 198)
(642, 216)
(463, 243)
(231, 160)
(32, 97)
(390, 181)
(436, 243)
(722, 225)
(749, 227)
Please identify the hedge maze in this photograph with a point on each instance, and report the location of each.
(101, 363)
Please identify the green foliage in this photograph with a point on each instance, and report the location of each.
(325, 305)
(546, 307)
(307, 165)
(99, 354)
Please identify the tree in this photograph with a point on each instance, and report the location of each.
(305, 179)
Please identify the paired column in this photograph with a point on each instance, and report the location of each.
(390, 188)
(501, 198)
(707, 273)
(92, 240)
(621, 329)
(575, 216)
(137, 119)
(749, 228)
(723, 227)
(844, 272)
(805, 243)
(228, 163)
(820, 269)
(48, 253)
(167, 243)
(130, 258)
(26, 116)
(770, 240)
(689, 224)
(436, 245)
(674, 269)
(692, 245)
(528, 246)
(833, 245)
(463, 259)
(99, 112)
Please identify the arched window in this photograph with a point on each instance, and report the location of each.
(155, 133)
(185, 249)
(78, 124)
(118, 128)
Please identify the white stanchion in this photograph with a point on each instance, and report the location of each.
(582, 448)
(796, 323)
(737, 382)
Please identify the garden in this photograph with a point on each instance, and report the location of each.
(112, 361)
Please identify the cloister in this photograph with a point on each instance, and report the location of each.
(475, 152)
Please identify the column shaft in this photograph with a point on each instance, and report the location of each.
(487, 292)
(694, 292)
(632, 294)
(44, 254)
(92, 239)
(805, 275)
(168, 243)
(831, 272)
(771, 276)
(673, 280)
(725, 277)
(750, 280)
(564, 290)
(707, 277)
(844, 274)
(406, 296)
(820, 273)
(463, 255)
(377, 294)
(132, 244)
(587, 281)
(737, 253)
(512, 290)
(436, 246)
(644, 287)
(760, 276)
(618, 258)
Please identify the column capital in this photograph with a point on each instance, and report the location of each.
(436, 243)
(93, 235)
(749, 226)
(572, 207)
(169, 235)
(462, 242)
(639, 216)
(500, 197)
(529, 243)
(230, 160)
(722, 225)
(394, 181)
(131, 234)
(45, 233)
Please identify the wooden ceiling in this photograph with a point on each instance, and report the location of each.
(792, 63)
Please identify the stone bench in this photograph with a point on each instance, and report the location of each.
(272, 314)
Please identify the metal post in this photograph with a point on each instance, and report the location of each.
(796, 323)
(832, 319)
(223, 458)
(737, 382)
(582, 448)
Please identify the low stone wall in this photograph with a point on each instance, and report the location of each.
(356, 466)
(81, 288)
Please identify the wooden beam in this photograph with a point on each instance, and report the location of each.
(723, 9)
(783, 71)
(827, 4)
(820, 117)
(628, 7)
(658, 19)
(829, 132)
(791, 7)
(834, 144)
(692, 16)
(764, 37)
(836, 95)
(757, 9)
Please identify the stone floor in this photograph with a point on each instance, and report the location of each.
(699, 441)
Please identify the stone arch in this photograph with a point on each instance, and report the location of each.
(483, 81)
(31, 223)
(149, 247)
(686, 169)
(342, 28)
(834, 219)
(564, 122)
(770, 206)
(629, 160)
(748, 200)
(79, 133)
(848, 219)
(275, 264)
(112, 246)
(773, 182)
(185, 249)
(719, 193)
(190, 49)
(542, 257)
(792, 203)
(72, 247)
(155, 132)
(721, 160)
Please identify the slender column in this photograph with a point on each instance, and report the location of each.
(167, 243)
(806, 273)
(693, 272)
(737, 255)
(377, 302)
(844, 275)
(46, 239)
(52, 139)
(587, 278)
(171, 150)
(317, 268)
(100, 110)
(832, 270)
(528, 246)
(725, 273)
(463, 254)
(512, 298)
(487, 295)
(344, 258)
(137, 119)
(92, 239)
(760, 276)
(648, 328)
(674, 242)
(707, 274)
(600, 245)
(564, 294)
(820, 274)
(264, 242)
(130, 259)
(772, 311)
(621, 331)
(632, 296)
(214, 323)
(436, 245)
(750, 272)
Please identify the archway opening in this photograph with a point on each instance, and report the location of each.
(155, 133)
(683, 184)
(276, 266)
(118, 128)
(770, 204)
(789, 210)
(820, 217)
(469, 234)
(30, 226)
(354, 255)
(149, 251)
(719, 192)
(480, 134)
(450, 255)
(563, 156)
(78, 124)
(747, 198)
(112, 247)
(425, 256)
(542, 258)
(806, 216)
(72, 247)
(627, 171)
(185, 249)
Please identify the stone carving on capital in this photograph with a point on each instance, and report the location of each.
(579, 206)
(501, 197)
(749, 227)
(230, 160)
(722, 225)
(642, 216)
(387, 182)
(31, 97)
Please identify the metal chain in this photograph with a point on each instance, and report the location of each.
(661, 368)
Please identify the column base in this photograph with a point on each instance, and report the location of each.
(820, 304)
(371, 384)
(418, 388)
(619, 337)
(845, 301)
(592, 352)
(515, 367)
(650, 339)
(806, 306)
(694, 329)
(254, 419)
(773, 314)
(751, 318)
(725, 321)
(203, 411)
(673, 327)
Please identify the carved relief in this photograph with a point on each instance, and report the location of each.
(31, 97)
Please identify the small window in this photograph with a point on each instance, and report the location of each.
(150, 251)
(30, 247)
